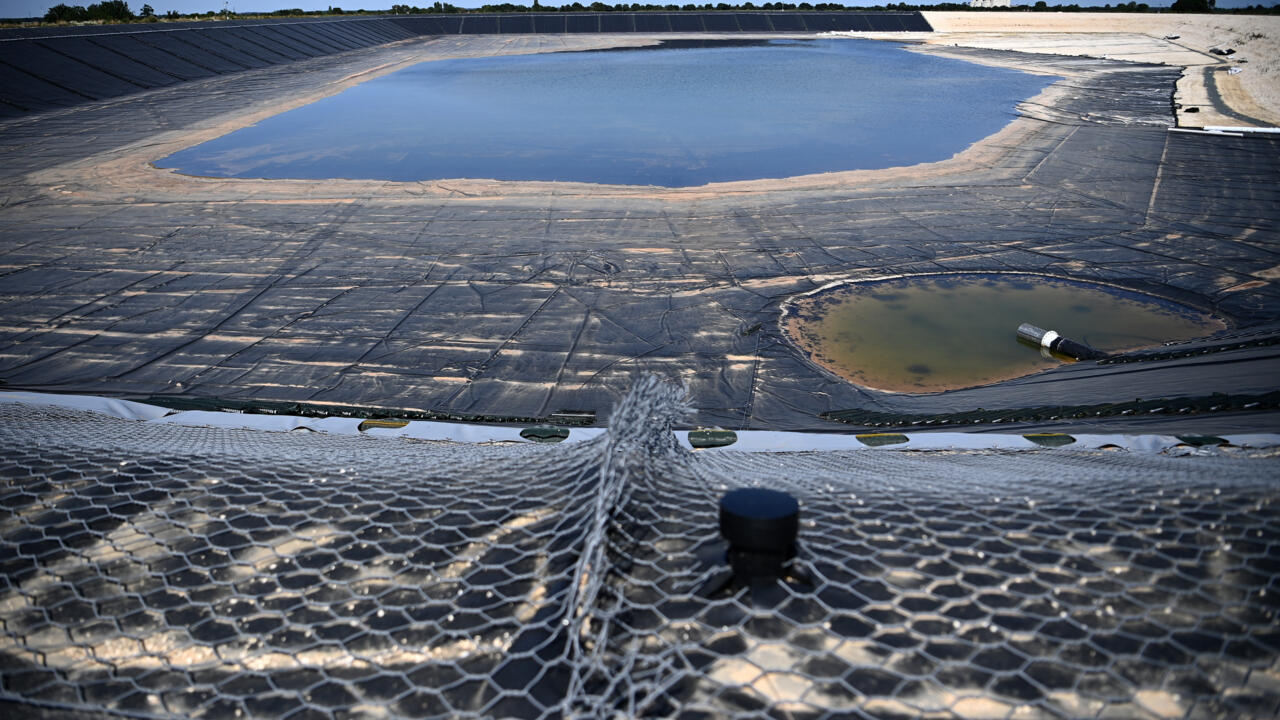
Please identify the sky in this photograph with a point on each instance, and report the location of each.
(37, 8)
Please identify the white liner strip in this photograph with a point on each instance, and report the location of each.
(1242, 129)
(1206, 131)
(748, 440)
(126, 409)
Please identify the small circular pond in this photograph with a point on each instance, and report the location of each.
(944, 332)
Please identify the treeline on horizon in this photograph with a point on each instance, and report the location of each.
(118, 11)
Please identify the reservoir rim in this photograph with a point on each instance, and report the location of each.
(126, 173)
(1189, 300)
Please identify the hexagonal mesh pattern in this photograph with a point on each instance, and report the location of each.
(158, 571)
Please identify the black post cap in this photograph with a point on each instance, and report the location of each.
(761, 526)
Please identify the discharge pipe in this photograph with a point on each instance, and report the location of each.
(1051, 342)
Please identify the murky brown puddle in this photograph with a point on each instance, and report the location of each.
(943, 332)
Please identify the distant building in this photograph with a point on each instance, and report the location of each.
(990, 3)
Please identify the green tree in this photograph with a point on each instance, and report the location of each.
(1193, 6)
(147, 11)
(110, 11)
(66, 13)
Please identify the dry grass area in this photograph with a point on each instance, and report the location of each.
(1145, 37)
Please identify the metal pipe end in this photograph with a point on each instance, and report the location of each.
(1031, 333)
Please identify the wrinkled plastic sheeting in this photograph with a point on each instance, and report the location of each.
(47, 68)
(529, 306)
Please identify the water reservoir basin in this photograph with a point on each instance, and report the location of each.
(677, 114)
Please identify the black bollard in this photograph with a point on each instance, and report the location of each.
(761, 527)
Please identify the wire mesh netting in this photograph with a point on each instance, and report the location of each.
(153, 570)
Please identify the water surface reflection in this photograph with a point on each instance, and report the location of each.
(678, 116)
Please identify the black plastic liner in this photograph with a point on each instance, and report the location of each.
(586, 23)
(517, 24)
(789, 23)
(192, 60)
(119, 61)
(480, 24)
(48, 68)
(134, 28)
(1220, 403)
(654, 23)
(722, 23)
(525, 306)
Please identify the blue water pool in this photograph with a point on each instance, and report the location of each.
(671, 116)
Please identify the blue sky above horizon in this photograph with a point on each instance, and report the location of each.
(37, 8)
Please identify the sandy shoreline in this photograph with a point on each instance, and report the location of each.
(1253, 92)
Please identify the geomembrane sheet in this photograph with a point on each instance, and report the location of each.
(494, 300)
